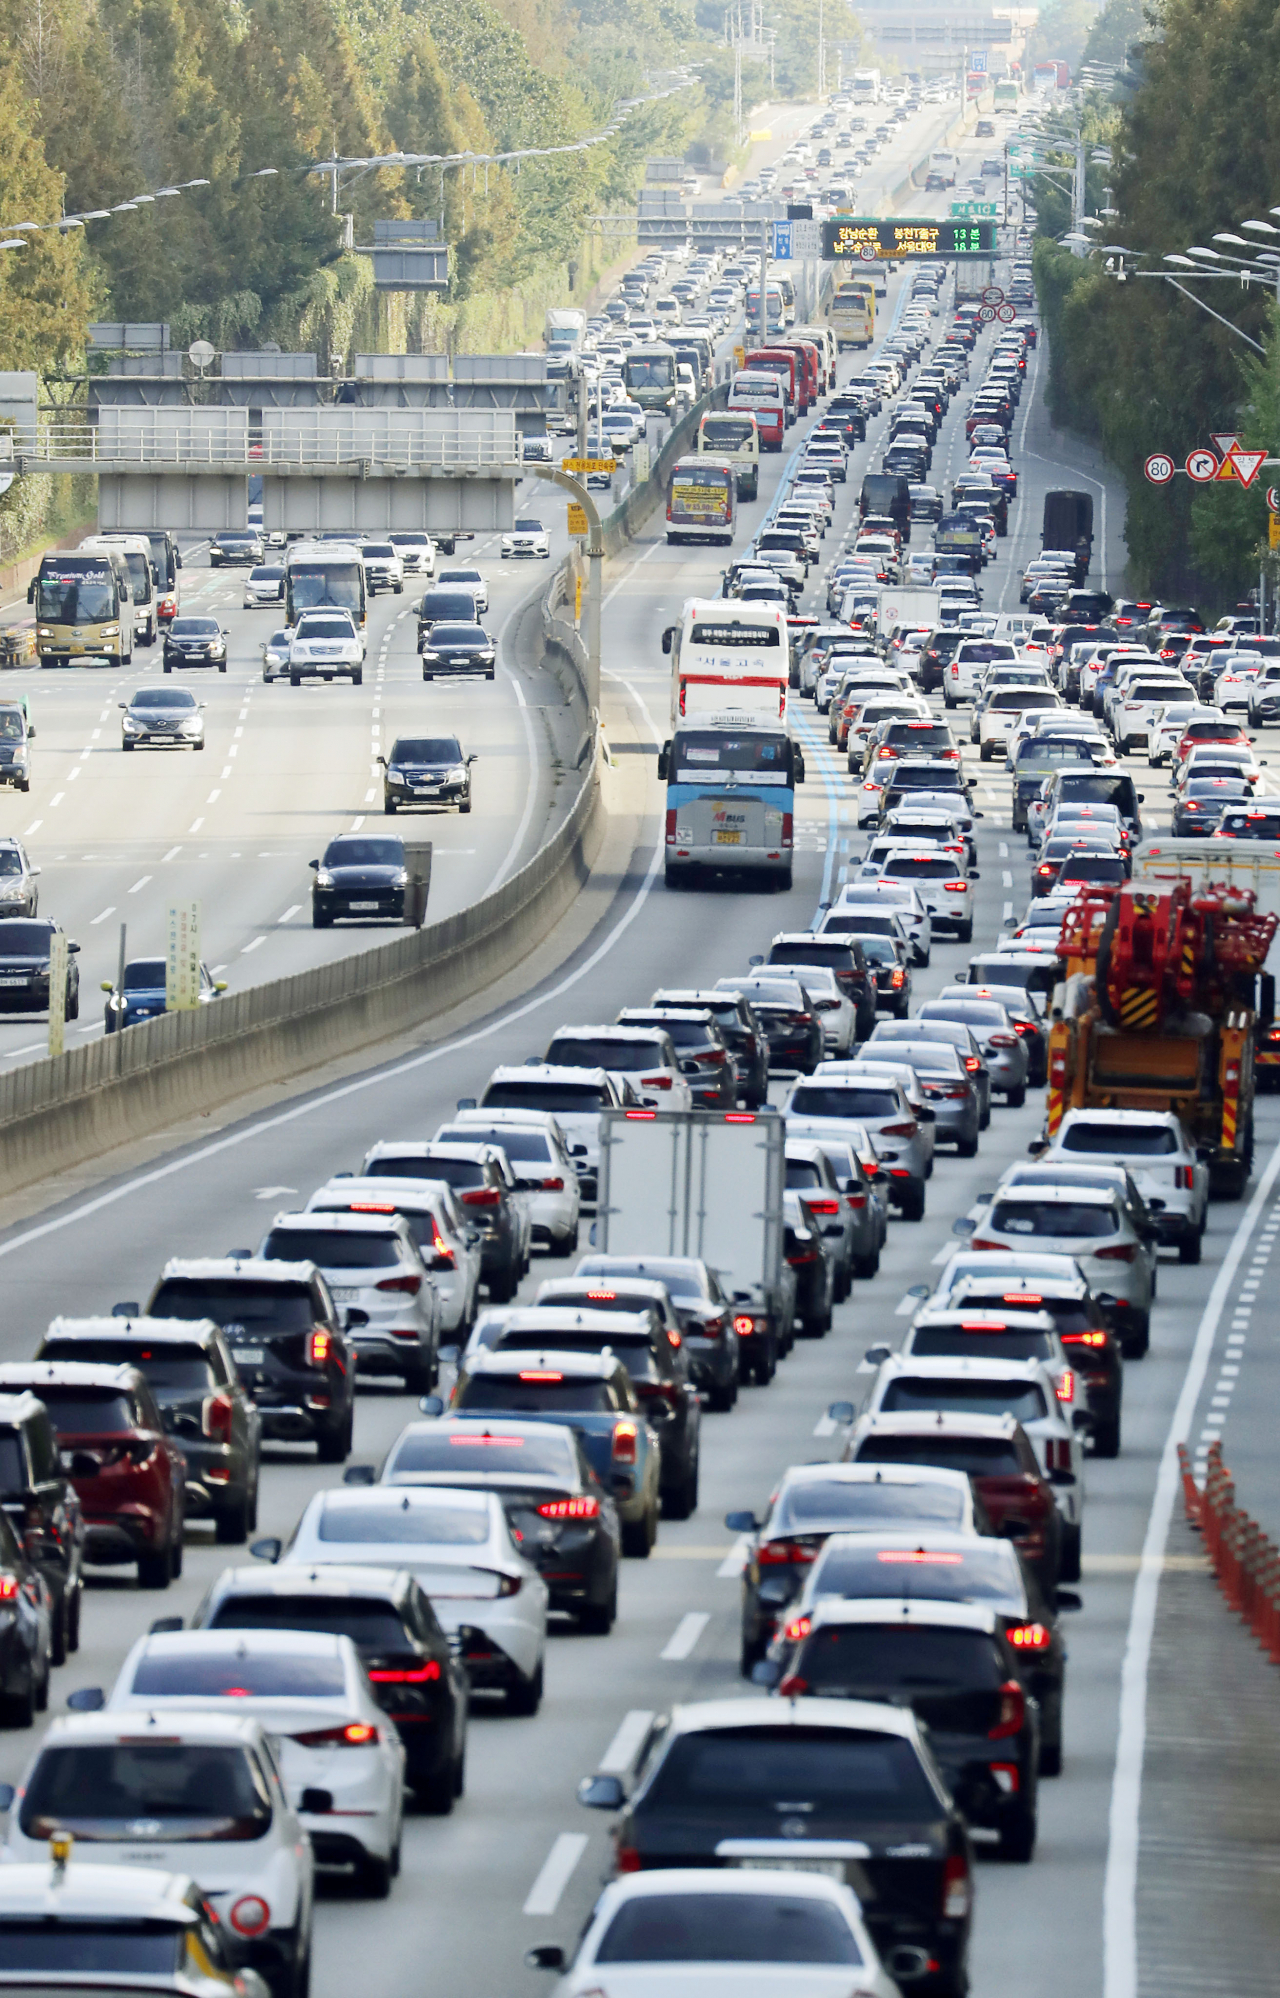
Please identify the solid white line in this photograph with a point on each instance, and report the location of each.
(1120, 1886)
(626, 1743)
(684, 1636)
(557, 1871)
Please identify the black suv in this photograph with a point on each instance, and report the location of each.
(426, 770)
(27, 1631)
(743, 1035)
(40, 1503)
(415, 1676)
(287, 1337)
(203, 1403)
(486, 1191)
(25, 945)
(359, 876)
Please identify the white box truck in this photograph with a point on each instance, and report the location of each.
(917, 609)
(704, 1183)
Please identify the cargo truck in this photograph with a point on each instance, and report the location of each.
(705, 1183)
(1068, 527)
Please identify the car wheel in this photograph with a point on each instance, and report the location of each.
(911, 1205)
(223, 666)
(1106, 1437)
(20, 1708)
(375, 1877)
(638, 1535)
(966, 1148)
(1136, 1341)
(683, 1501)
(295, 680)
(155, 1571)
(333, 1446)
(42, 1688)
(1015, 1098)
(357, 679)
(1018, 1838)
(389, 807)
(198, 745)
(1070, 1568)
(321, 919)
(60, 1635)
(598, 1619)
(1189, 1247)
(525, 1697)
(428, 676)
(420, 1377)
(127, 747)
(866, 1266)
(465, 807)
(722, 1398)
(231, 1523)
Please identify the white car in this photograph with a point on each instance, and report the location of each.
(1234, 684)
(1162, 1161)
(1092, 1223)
(466, 579)
(458, 1545)
(941, 879)
(1134, 711)
(208, 1799)
(417, 552)
(1169, 725)
(312, 1692)
(574, 1096)
(327, 646)
(645, 1056)
(447, 1243)
(263, 585)
(383, 567)
(380, 1282)
(538, 1151)
(275, 655)
(1005, 712)
(971, 657)
(862, 899)
(528, 537)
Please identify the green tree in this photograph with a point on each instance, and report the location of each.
(46, 298)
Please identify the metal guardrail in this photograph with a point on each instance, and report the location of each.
(158, 446)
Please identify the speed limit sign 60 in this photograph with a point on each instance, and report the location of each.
(1201, 466)
(1159, 468)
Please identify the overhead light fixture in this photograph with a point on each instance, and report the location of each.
(1266, 228)
(1225, 236)
(14, 243)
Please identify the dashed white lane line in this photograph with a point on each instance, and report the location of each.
(56, 799)
(34, 827)
(196, 825)
(94, 920)
(226, 771)
(685, 1635)
(290, 913)
(627, 1742)
(252, 945)
(1006, 879)
(1006, 912)
(213, 797)
(140, 883)
(369, 797)
(172, 854)
(557, 1870)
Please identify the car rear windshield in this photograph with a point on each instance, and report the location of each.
(1252, 825)
(811, 950)
(868, 1505)
(682, 1279)
(919, 867)
(493, 1451)
(728, 1928)
(86, 1411)
(332, 1249)
(627, 1055)
(745, 1770)
(166, 1365)
(100, 1791)
(1051, 1216)
(1147, 1141)
(910, 1396)
(370, 1623)
(25, 939)
(77, 1945)
(236, 1301)
(402, 1524)
(237, 1676)
(560, 1098)
(934, 777)
(454, 1172)
(980, 1456)
(903, 1658)
(950, 1342)
(814, 1101)
(571, 1393)
(521, 1147)
(1100, 790)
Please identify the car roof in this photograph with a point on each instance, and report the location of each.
(549, 1071)
(863, 1716)
(391, 1583)
(948, 1422)
(582, 1366)
(833, 1610)
(255, 1268)
(242, 1643)
(872, 1474)
(1135, 1117)
(575, 1318)
(79, 1890)
(195, 1725)
(341, 1223)
(962, 1366)
(35, 1374)
(158, 1331)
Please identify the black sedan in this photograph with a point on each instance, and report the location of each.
(458, 648)
(426, 770)
(236, 548)
(195, 641)
(742, 1032)
(26, 1631)
(792, 1024)
(565, 1519)
(25, 946)
(746, 1782)
(359, 877)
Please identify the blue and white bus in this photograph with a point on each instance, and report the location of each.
(730, 800)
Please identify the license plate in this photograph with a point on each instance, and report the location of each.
(831, 1869)
(14, 978)
(358, 906)
(345, 1296)
(727, 839)
(425, 790)
(250, 1356)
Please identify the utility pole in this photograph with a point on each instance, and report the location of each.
(822, 53)
(764, 284)
(737, 89)
(1078, 191)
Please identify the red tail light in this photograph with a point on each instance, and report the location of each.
(957, 1890)
(655, 1082)
(570, 1508)
(823, 1206)
(897, 977)
(319, 1346)
(8, 1588)
(857, 1200)
(1123, 1252)
(219, 1410)
(356, 1734)
(627, 1859)
(955, 887)
(786, 1554)
(1057, 1453)
(1066, 1387)
(744, 1324)
(482, 1196)
(443, 1252)
(409, 1285)
(671, 828)
(798, 1628)
(418, 1675)
(626, 1437)
(1184, 1178)
(899, 1130)
(793, 1686)
(711, 1328)
(1013, 1707)
(553, 1185)
(1084, 1338)
(1030, 1637)
(972, 1063)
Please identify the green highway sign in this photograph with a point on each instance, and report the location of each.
(983, 208)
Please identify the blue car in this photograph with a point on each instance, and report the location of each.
(143, 993)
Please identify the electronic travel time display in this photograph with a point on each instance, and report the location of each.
(854, 236)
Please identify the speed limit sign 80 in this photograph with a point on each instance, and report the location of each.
(1159, 468)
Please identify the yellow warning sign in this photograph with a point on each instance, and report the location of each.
(1273, 525)
(577, 518)
(577, 599)
(1227, 471)
(589, 464)
(739, 357)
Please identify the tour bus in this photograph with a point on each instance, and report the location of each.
(729, 658)
(754, 393)
(702, 499)
(136, 549)
(790, 369)
(853, 313)
(324, 575)
(775, 310)
(84, 607)
(649, 372)
(166, 560)
(823, 339)
(730, 800)
(788, 290)
(736, 439)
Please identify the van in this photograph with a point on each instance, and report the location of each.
(884, 492)
(755, 393)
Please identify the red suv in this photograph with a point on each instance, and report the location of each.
(130, 1479)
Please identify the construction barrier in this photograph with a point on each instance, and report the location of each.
(1244, 1559)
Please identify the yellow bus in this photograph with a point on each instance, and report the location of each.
(853, 312)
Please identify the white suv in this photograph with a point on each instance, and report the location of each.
(383, 567)
(372, 1266)
(1162, 1161)
(972, 656)
(326, 646)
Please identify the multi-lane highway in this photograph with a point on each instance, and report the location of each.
(518, 1862)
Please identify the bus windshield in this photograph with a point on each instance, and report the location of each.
(650, 370)
(84, 596)
(705, 752)
(727, 433)
(318, 585)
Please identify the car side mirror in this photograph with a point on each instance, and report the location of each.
(269, 1549)
(72, 947)
(382, 760)
(31, 591)
(450, 1356)
(431, 1404)
(664, 762)
(1082, 1419)
(83, 1465)
(963, 1225)
(87, 1700)
(545, 1956)
(1067, 1599)
(106, 986)
(313, 863)
(7, 1795)
(767, 1672)
(842, 1412)
(358, 1474)
(1142, 797)
(602, 1793)
(875, 1356)
(161, 1626)
(219, 984)
(742, 1522)
(757, 959)
(668, 639)
(316, 1803)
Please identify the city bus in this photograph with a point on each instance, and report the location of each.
(853, 313)
(730, 801)
(649, 372)
(84, 607)
(730, 662)
(736, 438)
(324, 575)
(775, 309)
(755, 393)
(136, 549)
(702, 499)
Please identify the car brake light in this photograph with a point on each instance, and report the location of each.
(955, 887)
(410, 1285)
(8, 1588)
(570, 1508)
(356, 1734)
(972, 1063)
(218, 1412)
(1003, 1041)
(627, 1859)
(1066, 1387)
(786, 1554)
(1030, 1637)
(655, 1082)
(898, 1130)
(957, 1891)
(1184, 1178)
(482, 1196)
(1013, 1707)
(539, 1374)
(319, 1346)
(625, 1440)
(1084, 1338)
(1122, 1252)
(443, 1252)
(823, 1206)
(418, 1675)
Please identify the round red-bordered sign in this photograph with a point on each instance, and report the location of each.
(986, 314)
(1159, 468)
(868, 253)
(993, 295)
(1008, 313)
(1273, 498)
(1201, 466)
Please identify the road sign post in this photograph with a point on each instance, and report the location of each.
(57, 991)
(182, 958)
